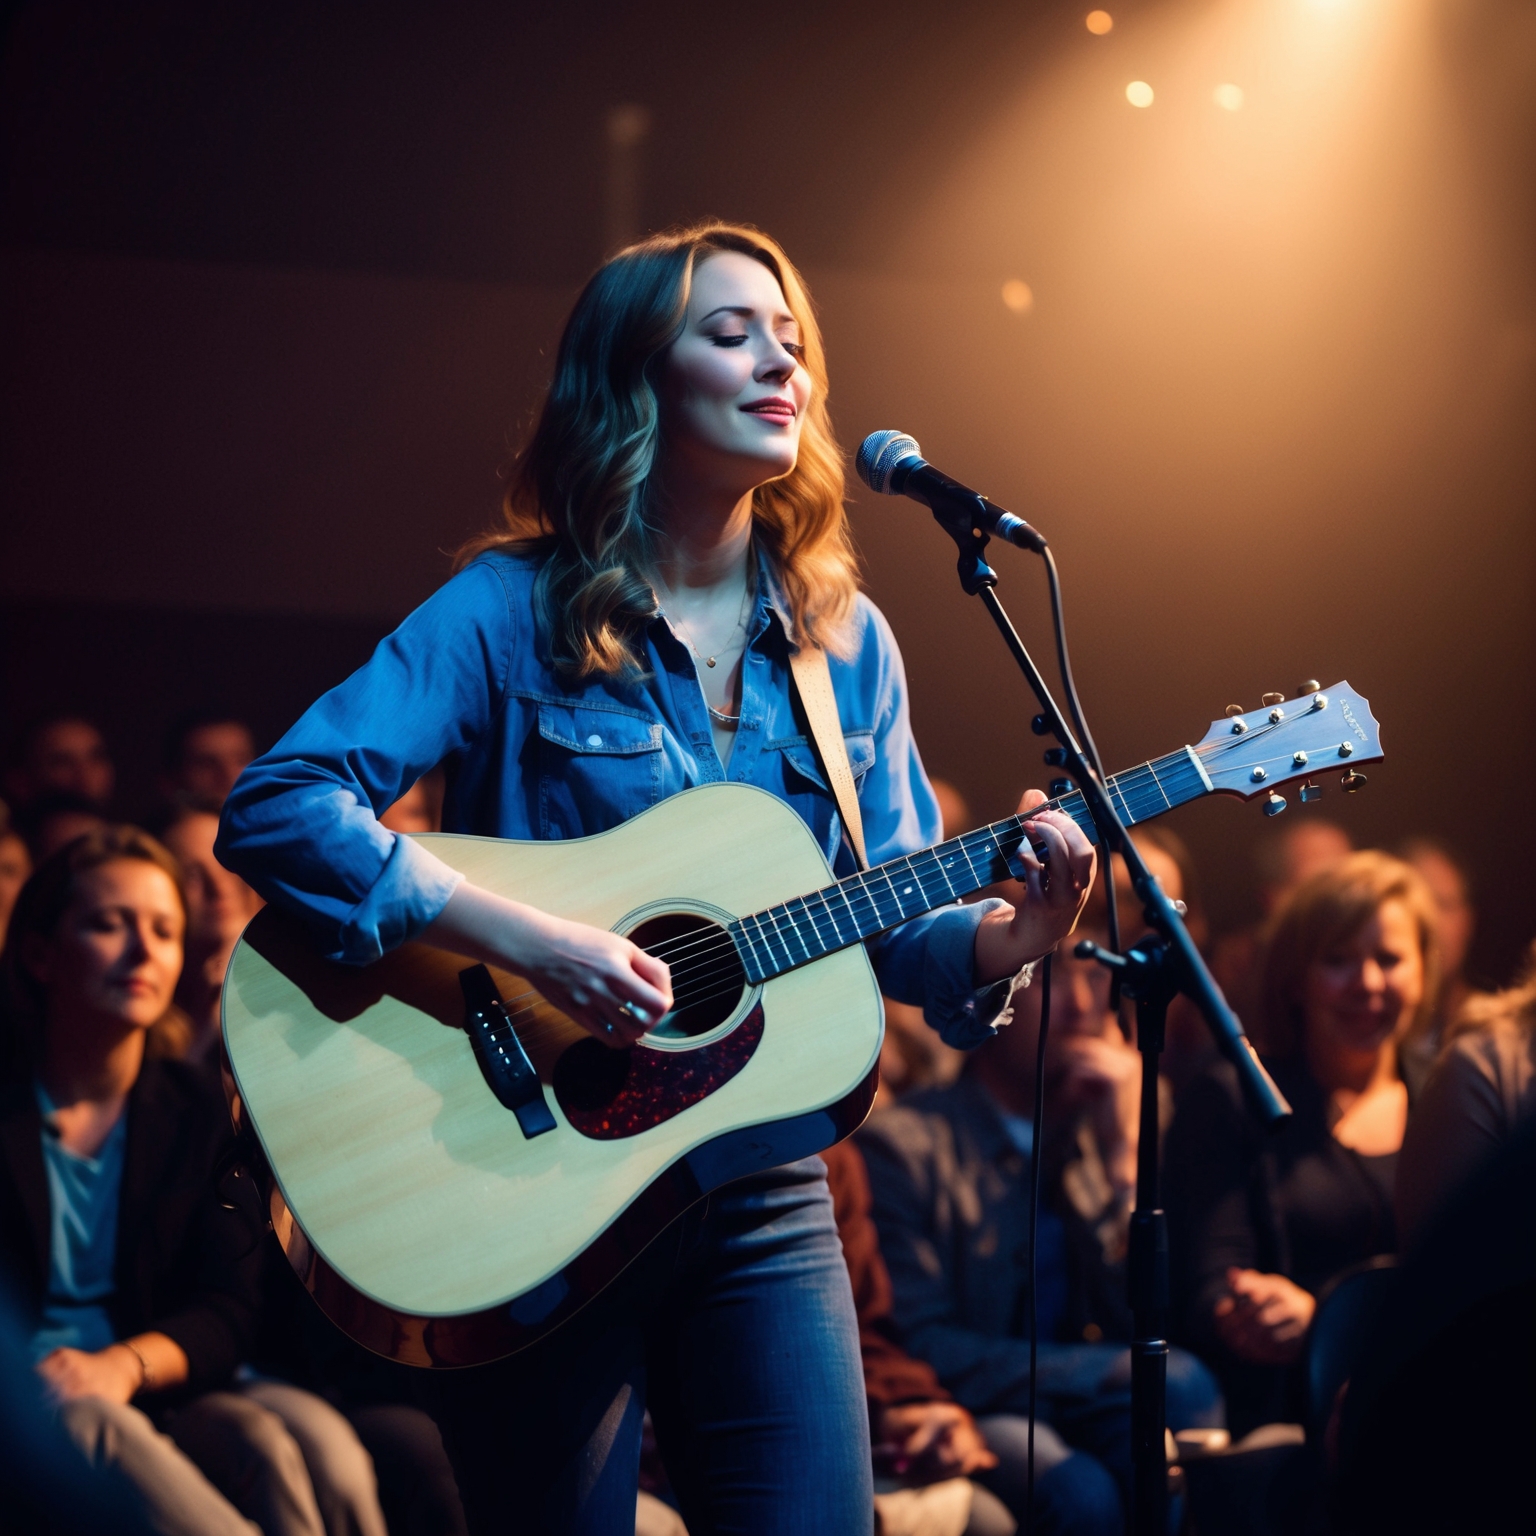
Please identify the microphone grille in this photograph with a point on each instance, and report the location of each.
(881, 454)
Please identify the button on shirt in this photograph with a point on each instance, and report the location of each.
(82, 1238)
(531, 755)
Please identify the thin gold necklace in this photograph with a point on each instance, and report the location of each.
(687, 634)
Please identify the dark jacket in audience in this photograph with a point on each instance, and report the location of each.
(951, 1201)
(186, 1266)
(1296, 1203)
(1483, 1086)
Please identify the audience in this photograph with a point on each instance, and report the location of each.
(204, 753)
(1483, 1086)
(15, 866)
(141, 1284)
(57, 817)
(1285, 858)
(1261, 1222)
(921, 1436)
(219, 905)
(949, 1171)
(62, 753)
(1450, 885)
(144, 1333)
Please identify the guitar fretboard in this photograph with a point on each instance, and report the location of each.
(862, 905)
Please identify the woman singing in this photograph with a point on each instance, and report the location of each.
(674, 528)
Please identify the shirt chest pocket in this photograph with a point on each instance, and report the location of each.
(597, 768)
(802, 763)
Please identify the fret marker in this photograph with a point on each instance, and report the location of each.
(906, 890)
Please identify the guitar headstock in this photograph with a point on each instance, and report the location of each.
(1321, 731)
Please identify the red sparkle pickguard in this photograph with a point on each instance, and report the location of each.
(609, 1094)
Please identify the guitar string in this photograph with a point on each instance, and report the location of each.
(719, 945)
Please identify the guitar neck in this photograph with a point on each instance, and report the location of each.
(857, 908)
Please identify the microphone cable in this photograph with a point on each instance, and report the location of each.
(1091, 752)
(1034, 1233)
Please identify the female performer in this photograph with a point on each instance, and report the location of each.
(674, 528)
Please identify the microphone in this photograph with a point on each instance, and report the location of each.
(892, 463)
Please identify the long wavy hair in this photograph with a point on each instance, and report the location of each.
(1330, 909)
(578, 494)
(40, 908)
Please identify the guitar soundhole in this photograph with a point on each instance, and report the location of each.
(707, 978)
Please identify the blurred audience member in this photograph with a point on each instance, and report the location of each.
(15, 866)
(912, 1054)
(1450, 883)
(61, 753)
(420, 808)
(1483, 1086)
(56, 818)
(921, 1436)
(204, 753)
(141, 1287)
(1285, 858)
(219, 905)
(949, 1170)
(1262, 1221)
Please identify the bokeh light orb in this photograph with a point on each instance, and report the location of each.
(1139, 93)
(1100, 22)
(1229, 97)
(1018, 296)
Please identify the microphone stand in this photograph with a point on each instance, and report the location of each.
(1153, 972)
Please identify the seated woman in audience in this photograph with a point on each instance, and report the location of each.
(140, 1285)
(1262, 1222)
(1482, 1087)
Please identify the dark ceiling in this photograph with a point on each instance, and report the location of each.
(444, 140)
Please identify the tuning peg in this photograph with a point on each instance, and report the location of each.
(1311, 791)
(1060, 787)
(1055, 757)
(1272, 698)
(1310, 686)
(1351, 781)
(1040, 725)
(1273, 804)
(1234, 709)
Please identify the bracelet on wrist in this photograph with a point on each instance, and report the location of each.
(146, 1376)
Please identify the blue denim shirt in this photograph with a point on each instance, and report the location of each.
(465, 678)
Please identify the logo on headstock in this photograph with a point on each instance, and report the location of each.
(1355, 725)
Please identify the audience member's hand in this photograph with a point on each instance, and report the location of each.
(924, 1442)
(1264, 1318)
(113, 1373)
(1102, 1075)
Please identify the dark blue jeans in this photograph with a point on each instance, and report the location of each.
(736, 1327)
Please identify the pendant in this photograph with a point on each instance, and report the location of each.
(709, 661)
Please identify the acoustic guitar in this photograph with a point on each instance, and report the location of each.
(454, 1168)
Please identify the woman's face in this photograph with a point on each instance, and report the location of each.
(1365, 990)
(116, 953)
(733, 391)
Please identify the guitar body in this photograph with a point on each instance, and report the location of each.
(408, 1199)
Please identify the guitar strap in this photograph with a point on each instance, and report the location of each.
(813, 679)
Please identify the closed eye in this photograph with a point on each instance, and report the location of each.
(728, 341)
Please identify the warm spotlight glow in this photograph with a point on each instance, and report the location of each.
(1139, 93)
(1018, 296)
(1229, 97)
(1100, 22)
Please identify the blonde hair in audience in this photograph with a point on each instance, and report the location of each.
(1330, 909)
(1515, 1006)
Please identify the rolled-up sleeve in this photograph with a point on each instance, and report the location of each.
(929, 962)
(301, 825)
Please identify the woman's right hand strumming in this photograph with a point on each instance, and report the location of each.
(612, 988)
